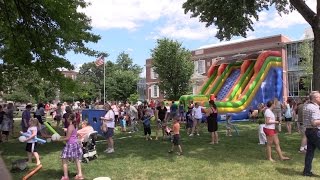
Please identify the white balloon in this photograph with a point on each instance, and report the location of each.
(22, 138)
(55, 137)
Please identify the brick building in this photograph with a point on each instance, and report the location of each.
(70, 74)
(204, 58)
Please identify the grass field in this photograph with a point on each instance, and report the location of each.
(237, 157)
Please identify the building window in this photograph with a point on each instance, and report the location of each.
(154, 91)
(200, 66)
(154, 75)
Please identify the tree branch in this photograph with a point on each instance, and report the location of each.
(305, 11)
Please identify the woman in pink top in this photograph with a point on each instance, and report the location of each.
(72, 149)
(270, 131)
(85, 130)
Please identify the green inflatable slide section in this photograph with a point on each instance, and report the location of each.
(252, 86)
(208, 82)
(241, 81)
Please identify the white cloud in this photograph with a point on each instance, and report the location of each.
(227, 42)
(129, 50)
(271, 19)
(170, 18)
(130, 15)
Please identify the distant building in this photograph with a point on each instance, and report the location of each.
(203, 58)
(70, 74)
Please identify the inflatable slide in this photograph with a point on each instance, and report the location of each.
(238, 84)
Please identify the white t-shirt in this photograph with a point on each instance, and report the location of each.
(29, 132)
(269, 114)
(109, 114)
(197, 112)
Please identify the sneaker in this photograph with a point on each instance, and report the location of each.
(310, 174)
(198, 134)
(179, 153)
(170, 151)
(191, 135)
(302, 151)
(110, 151)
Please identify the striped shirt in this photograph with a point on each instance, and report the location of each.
(311, 112)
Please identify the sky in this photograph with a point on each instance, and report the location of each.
(133, 26)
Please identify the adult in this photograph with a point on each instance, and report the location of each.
(85, 130)
(277, 111)
(302, 129)
(2, 113)
(26, 116)
(197, 118)
(9, 113)
(173, 110)
(108, 121)
(40, 113)
(288, 115)
(311, 121)
(181, 111)
(161, 116)
(270, 131)
(115, 109)
(132, 112)
(212, 120)
(65, 117)
(59, 114)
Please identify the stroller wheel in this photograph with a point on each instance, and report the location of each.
(95, 156)
(85, 160)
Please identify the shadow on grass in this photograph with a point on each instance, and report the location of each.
(289, 171)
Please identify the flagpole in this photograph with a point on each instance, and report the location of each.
(104, 83)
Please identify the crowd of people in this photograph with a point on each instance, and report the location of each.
(305, 113)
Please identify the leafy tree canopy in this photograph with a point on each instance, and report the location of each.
(173, 64)
(39, 33)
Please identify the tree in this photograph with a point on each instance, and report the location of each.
(234, 18)
(306, 61)
(90, 81)
(122, 78)
(174, 66)
(39, 33)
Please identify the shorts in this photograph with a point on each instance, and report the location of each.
(288, 119)
(109, 133)
(5, 133)
(176, 139)
(269, 132)
(147, 130)
(31, 147)
(302, 128)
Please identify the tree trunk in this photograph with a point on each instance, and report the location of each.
(316, 58)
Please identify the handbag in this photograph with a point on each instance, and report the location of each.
(104, 127)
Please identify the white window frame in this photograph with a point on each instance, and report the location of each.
(153, 74)
(154, 94)
(201, 66)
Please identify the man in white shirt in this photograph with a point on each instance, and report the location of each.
(132, 112)
(197, 117)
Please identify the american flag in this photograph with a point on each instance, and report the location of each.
(99, 61)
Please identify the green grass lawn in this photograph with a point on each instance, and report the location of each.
(135, 158)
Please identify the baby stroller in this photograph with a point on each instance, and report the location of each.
(89, 147)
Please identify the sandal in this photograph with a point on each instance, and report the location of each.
(64, 178)
(78, 177)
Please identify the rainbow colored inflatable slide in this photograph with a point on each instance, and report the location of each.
(238, 84)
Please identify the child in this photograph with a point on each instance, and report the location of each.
(5, 127)
(31, 146)
(123, 123)
(147, 125)
(261, 134)
(176, 136)
(189, 123)
(229, 125)
(72, 149)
